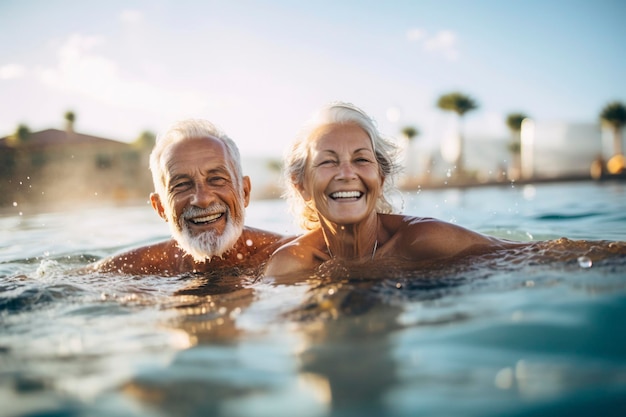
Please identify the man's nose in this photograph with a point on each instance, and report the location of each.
(203, 196)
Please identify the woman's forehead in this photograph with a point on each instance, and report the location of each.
(339, 135)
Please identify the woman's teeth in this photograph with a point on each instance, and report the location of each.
(346, 194)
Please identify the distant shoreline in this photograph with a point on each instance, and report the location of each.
(470, 183)
(417, 185)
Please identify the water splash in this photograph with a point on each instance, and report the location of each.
(585, 262)
(47, 270)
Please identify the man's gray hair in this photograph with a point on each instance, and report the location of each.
(185, 130)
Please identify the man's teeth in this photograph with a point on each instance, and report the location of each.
(346, 194)
(207, 219)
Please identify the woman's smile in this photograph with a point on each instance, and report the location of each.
(346, 195)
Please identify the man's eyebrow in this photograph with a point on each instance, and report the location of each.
(178, 177)
(218, 170)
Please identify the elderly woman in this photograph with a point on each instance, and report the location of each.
(340, 172)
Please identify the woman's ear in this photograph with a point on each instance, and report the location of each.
(306, 196)
(155, 201)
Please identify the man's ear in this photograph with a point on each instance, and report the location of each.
(155, 200)
(246, 190)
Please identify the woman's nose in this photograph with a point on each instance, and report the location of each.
(346, 171)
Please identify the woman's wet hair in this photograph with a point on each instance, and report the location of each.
(185, 130)
(295, 161)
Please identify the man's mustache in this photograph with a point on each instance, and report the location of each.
(192, 211)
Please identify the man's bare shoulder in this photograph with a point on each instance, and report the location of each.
(265, 236)
(161, 258)
(167, 258)
(264, 240)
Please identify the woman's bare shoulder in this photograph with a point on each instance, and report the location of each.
(301, 253)
(428, 238)
(403, 224)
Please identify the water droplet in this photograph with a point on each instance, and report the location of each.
(239, 256)
(504, 378)
(584, 262)
(249, 242)
(15, 204)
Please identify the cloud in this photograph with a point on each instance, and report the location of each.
(131, 16)
(81, 71)
(415, 35)
(443, 42)
(11, 71)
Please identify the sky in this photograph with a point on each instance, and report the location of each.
(259, 69)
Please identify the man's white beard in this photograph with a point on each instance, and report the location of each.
(207, 244)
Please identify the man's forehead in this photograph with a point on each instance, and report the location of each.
(195, 152)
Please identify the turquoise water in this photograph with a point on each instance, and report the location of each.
(537, 332)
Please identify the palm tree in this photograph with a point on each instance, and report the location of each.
(614, 116)
(275, 165)
(145, 140)
(409, 132)
(20, 136)
(514, 122)
(70, 118)
(460, 104)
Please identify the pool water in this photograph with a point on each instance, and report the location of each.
(533, 332)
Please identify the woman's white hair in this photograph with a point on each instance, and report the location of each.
(296, 159)
(185, 130)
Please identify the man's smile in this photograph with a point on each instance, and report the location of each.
(211, 218)
(203, 217)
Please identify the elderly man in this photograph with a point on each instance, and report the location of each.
(201, 193)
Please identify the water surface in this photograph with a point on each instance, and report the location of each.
(529, 333)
